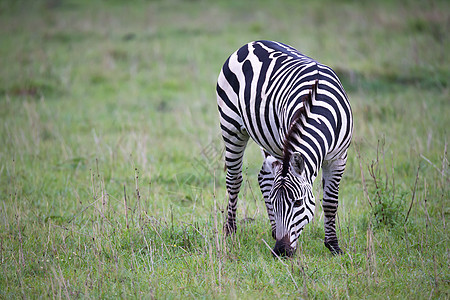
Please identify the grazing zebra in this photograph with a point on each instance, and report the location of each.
(297, 111)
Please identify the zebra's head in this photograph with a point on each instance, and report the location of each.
(293, 202)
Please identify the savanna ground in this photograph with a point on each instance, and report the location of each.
(111, 175)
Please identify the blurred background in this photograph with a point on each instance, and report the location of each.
(105, 98)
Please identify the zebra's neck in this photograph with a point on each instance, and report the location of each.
(313, 160)
(300, 139)
(304, 136)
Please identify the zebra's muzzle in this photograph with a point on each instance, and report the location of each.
(283, 247)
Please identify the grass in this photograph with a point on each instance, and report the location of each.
(111, 178)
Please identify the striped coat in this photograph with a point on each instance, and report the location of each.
(292, 107)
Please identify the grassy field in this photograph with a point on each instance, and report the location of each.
(111, 170)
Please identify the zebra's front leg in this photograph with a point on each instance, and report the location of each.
(331, 177)
(265, 180)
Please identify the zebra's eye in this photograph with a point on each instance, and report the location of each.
(298, 202)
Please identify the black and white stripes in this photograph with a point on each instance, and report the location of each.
(297, 111)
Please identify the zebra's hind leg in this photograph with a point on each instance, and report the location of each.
(331, 177)
(265, 180)
(234, 152)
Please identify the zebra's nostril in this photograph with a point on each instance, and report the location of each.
(283, 247)
(283, 251)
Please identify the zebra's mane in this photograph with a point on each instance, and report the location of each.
(294, 128)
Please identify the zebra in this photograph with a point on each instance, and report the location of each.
(297, 111)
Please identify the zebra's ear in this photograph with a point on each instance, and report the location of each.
(297, 163)
(272, 164)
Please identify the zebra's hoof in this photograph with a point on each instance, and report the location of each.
(229, 229)
(333, 247)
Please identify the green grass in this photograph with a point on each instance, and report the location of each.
(111, 178)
